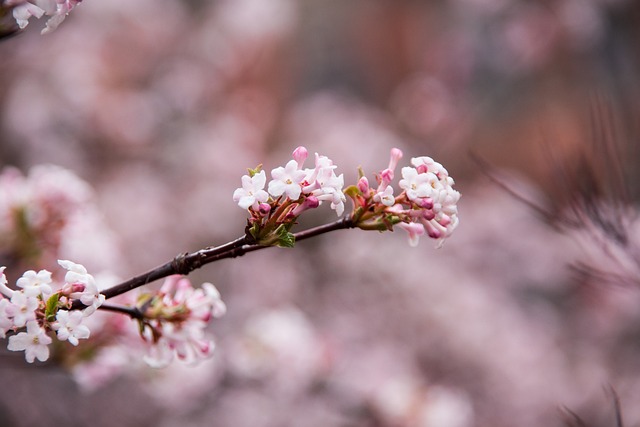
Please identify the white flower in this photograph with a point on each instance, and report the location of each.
(56, 9)
(34, 342)
(6, 315)
(385, 197)
(430, 165)
(286, 180)
(69, 326)
(90, 294)
(24, 308)
(185, 341)
(24, 11)
(159, 354)
(218, 307)
(251, 193)
(35, 284)
(323, 183)
(418, 185)
(3, 284)
(76, 272)
(415, 230)
(205, 303)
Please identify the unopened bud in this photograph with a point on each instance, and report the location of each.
(300, 155)
(363, 185)
(264, 209)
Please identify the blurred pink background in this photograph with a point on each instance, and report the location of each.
(162, 105)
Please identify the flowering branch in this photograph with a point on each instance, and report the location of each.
(171, 320)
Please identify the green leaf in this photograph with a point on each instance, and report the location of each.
(255, 171)
(52, 307)
(352, 191)
(285, 239)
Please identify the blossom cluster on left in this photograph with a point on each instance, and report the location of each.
(56, 10)
(35, 310)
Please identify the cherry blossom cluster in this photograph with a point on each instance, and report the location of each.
(427, 203)
(57, 10)
(291, 191)
(173, 321)
(38, 309)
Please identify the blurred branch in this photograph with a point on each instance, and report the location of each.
(132, 312)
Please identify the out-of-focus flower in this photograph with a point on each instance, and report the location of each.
(174, 321)
(56, 9)
(279, 345)
(46, 215)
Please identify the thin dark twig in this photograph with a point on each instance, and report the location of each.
(187, 262)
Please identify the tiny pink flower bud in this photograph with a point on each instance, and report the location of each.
(422, 169)
(386, 176)
(311, 202)
(300, 155)
(444, 220)
(426, 203)
(264, 209)
(428, 214)
(396, 155)
(77, 287)
(363, 185)
(431, 230)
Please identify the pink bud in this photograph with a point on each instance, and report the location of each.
(363, 185)
(264, 209)
(426, 203)
(311, 202)
(300, 155)
(396, 155)
(444, 220)
(422, 169)
(77, 287)
(428, 214)
(386, 176)
(431, 230)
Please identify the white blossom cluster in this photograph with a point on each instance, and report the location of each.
(38, 309)
(175, 320)
(429, 188)
(310, 186)
(57, 10)
(426, 205)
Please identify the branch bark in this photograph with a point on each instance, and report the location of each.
(187, 262)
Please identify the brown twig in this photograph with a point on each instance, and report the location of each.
(187, 262)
